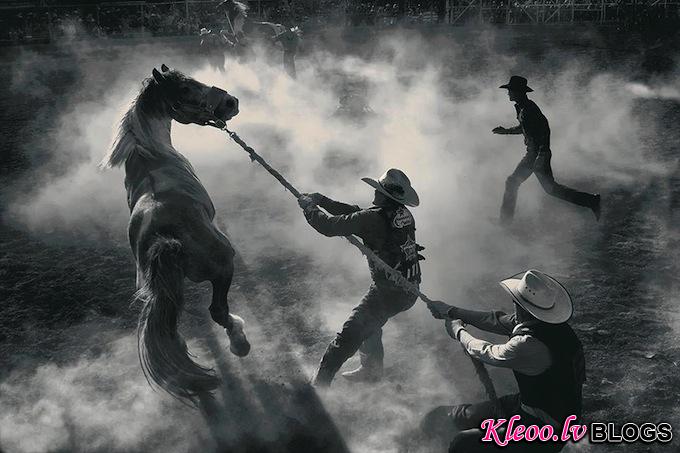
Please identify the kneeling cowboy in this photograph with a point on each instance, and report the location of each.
(543, 351)
(388, 229)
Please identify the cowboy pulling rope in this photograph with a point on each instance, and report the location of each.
(392, 274)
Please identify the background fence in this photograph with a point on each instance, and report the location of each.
(43, 22)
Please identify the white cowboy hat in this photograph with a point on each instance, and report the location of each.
(541, 295)
(395, 185)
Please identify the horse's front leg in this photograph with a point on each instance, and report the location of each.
(219, 310)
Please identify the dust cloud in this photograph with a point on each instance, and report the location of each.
(97, 404)
(435, 106)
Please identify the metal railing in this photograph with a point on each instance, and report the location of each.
(558, 11)
(45, 22)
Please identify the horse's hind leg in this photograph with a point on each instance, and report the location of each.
(219, 310)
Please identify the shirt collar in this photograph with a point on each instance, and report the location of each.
(521, 325)
(522, 102)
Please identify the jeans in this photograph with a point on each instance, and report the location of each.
(289, 63)
(539, 164)
(467, 418)
(363, 330)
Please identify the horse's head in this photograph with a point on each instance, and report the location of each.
(190, 101)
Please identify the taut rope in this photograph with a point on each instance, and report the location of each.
(395, 276)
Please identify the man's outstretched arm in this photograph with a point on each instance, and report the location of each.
(332, 206)
(491, 321)
(358, 223)
(522, 353)
(515, 130)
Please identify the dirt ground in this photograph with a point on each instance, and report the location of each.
(65, 308)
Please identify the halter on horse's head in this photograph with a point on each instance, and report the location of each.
(190, 101)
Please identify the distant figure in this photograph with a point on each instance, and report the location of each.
(534, 126)
(354, 106)
(213, 46)
(290, 40)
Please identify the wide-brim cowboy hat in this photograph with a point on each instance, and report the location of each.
(395, 185)
(517, 83)
(541, 295)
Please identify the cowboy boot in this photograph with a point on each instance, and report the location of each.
(364, 374)
(322, 378)
(370, 370)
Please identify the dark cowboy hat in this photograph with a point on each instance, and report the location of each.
(517, 83)
(395, 185)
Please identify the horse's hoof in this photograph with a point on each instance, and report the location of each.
(238, 343)
(240, 349)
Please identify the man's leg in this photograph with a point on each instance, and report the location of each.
(445, 420)
(388, 301)
(521, 173)
(378, 305)
(372, 352)
(393, 301)
(366, 319)
(545, 176)
(469, 441)
(289, 63)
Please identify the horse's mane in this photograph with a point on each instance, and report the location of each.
(135, 132)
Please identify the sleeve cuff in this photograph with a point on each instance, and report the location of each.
(464, 336)
(459, 333)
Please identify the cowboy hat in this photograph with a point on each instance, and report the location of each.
(517, 83)
(541, 295)
(395, 185)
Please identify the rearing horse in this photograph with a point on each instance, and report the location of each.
(171, 229)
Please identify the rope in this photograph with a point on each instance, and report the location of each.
(393, 275)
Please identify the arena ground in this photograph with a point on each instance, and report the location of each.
(69, 375)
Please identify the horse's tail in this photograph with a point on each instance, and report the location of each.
(162, 352)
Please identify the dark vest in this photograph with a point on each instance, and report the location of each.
(558, 390)
(535, 127)
(398, 247)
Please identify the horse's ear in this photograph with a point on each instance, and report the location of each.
(164, 68)
(157, 76)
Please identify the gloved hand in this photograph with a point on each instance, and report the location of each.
(316, 197)
(306, 202)
(499, 130)
(453, 328)
(439, 310)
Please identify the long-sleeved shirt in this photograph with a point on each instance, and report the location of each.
(347, 219)
(388, 230)
(533, 125)
(522, 353)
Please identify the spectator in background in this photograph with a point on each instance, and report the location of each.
(290, 40)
